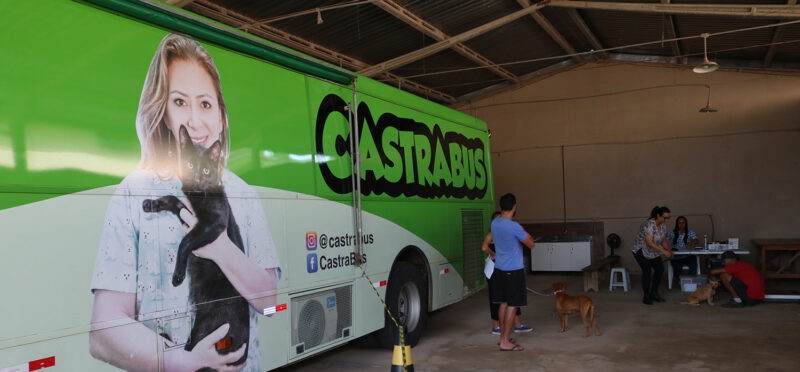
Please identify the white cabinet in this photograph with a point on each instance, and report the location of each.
(566, 256)
(540, 256)
(560, 257)
(580, 256)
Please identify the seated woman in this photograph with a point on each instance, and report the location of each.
(681, 238)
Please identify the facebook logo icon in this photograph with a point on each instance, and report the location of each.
(311, 262)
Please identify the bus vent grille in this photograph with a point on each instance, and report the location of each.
(345, 310)
(472, 237)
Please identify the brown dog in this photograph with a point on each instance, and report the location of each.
(566, 305)
(705, 292)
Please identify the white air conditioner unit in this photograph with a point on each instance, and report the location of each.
(314, 319)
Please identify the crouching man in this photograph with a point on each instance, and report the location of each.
(742, 281)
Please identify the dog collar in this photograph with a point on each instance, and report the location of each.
(558, 291)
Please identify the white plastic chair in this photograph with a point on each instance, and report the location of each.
(624, 282)
(670, 275)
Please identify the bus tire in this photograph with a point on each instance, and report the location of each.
(407, 299)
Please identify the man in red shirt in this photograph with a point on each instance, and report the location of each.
(742, 281)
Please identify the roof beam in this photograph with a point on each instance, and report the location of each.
(179, 3)
(554, 34)
(587, 32)
(749, 11)
(776, 36)
(432, 31)
(447, 43)
(672, 34)
(208, 9)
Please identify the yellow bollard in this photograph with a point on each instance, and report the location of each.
(397, 357)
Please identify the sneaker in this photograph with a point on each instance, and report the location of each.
(522, 328)
(496, 331)
(731, 304)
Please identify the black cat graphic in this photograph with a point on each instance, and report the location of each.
(216, 300)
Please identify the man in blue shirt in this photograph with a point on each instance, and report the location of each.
(508, 284)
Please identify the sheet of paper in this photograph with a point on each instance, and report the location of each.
(488, 269)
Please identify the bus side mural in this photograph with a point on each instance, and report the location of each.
(176, 196)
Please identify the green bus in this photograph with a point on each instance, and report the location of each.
(178, 195)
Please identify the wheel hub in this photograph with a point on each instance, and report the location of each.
(408, 306)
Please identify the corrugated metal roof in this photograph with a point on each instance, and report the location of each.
(520, 40)
(738, 2)
(789, 52)
(372, 35)
(615, 29)
(566, 26)
(739, 45)
(456, 16)
(457, 83)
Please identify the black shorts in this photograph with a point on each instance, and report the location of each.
(741, 290)
(509, 287)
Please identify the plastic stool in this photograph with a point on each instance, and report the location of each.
(625, 281)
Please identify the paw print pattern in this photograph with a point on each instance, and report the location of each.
(173, 235)
(107, 251)
(147, 235)
(178, 336)
(127, 221)
(109, 222)
(171, 255)
(126, 276)
(128, 254)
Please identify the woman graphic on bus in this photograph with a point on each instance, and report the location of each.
(139, 299)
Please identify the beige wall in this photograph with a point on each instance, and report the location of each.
(624, 154)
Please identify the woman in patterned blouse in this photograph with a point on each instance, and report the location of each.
(648, 247)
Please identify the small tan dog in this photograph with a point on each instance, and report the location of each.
(705, 292)
(566, 305)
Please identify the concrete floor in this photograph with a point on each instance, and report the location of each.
(635, 337)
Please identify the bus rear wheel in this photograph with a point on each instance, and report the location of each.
(407, 299)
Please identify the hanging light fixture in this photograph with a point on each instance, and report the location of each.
(707, 107)
(707, 66)
(319, 17)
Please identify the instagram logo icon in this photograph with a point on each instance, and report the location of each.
(311, 240)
